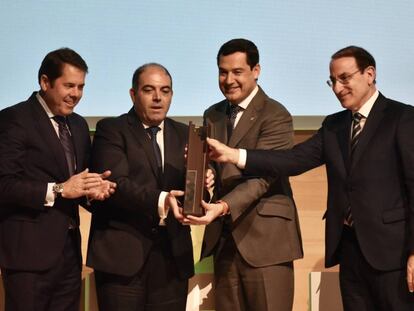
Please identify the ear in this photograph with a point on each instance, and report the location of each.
(132, 94)
(256, 71)
(371, 74)
(44, 83)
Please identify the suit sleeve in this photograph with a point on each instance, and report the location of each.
(405, 144)
(109, 152)
(276, 133)
(16, 188)
(299, 159)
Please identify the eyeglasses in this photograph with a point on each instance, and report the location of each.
(343, 80)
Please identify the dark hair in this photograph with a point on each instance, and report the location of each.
(141, 69)
(362, 57)
(52, 64)
(240, 45)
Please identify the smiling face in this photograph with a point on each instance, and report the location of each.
(358, 87)
(64, 93)
(236, 79)
(152, 97)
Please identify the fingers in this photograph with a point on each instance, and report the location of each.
(209, 182)
(177, 193)
(105, 174)
(410, 273)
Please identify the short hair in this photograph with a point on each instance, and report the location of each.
(52, 64)
(362, 57)
(140, 70)
(240, 45)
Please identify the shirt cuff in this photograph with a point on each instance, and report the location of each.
(162, 209)
(50, 195)
(242, 159)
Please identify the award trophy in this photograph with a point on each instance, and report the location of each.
(197, 164)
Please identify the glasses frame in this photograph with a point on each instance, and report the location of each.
(345, 80)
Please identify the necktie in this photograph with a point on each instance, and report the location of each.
(356, 132)
(67, 143)
(152, 131)
(233, 111)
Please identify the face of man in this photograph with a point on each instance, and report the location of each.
(153, 97)
(236, 79)
(351, 87)
(63, 94)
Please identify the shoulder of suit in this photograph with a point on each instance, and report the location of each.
(217, 107)
(177, 125)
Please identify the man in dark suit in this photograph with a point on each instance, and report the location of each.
(257, 238)
(141, 254)
(368, 151)
(44, 150)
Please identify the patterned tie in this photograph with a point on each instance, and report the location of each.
(356, 133)
(356, 130)
(67, 143)
(232, 114)
(152, 131)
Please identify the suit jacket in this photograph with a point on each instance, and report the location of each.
(124, 226)
(264, 219)
(32, 236)
(378, 184)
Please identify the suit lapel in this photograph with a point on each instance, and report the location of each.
(218, 118)
(138, 131)
(248, 118)
(51, 139)
(343, 135)
(173, 157)
(373, 121)
(77, 137)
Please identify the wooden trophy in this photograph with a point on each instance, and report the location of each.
(197, 164)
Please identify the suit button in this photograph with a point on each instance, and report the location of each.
(154, 231)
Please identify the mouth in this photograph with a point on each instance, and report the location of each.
(70, 103)
(231, 89)
(343, 96)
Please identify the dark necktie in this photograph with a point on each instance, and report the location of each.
(152, 131)
(356, 133)
(67, 143)
(356, 130)
(232, 114)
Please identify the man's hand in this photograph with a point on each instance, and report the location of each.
(81, 184)
(213, 210)
(171, 203)
(410, 273)
(221, 153)
(209, 181)
(104, 190)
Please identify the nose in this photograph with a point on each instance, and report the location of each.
(337, 87)
(156, 96)
(76, 92)
(229, 78)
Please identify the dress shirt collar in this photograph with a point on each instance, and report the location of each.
(366, 108)
(161, 126)
(244, 103)
(44, 105)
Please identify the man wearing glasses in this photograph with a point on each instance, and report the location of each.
(368, 151)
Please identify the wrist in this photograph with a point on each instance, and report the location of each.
(226, 210)
(58, 189)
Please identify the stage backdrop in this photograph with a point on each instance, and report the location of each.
(295, 39)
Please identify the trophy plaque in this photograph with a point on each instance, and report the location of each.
(197, 164)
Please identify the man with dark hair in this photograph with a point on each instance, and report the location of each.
(368, 151)
(44, 152)
(253, 229)
(141, 254)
